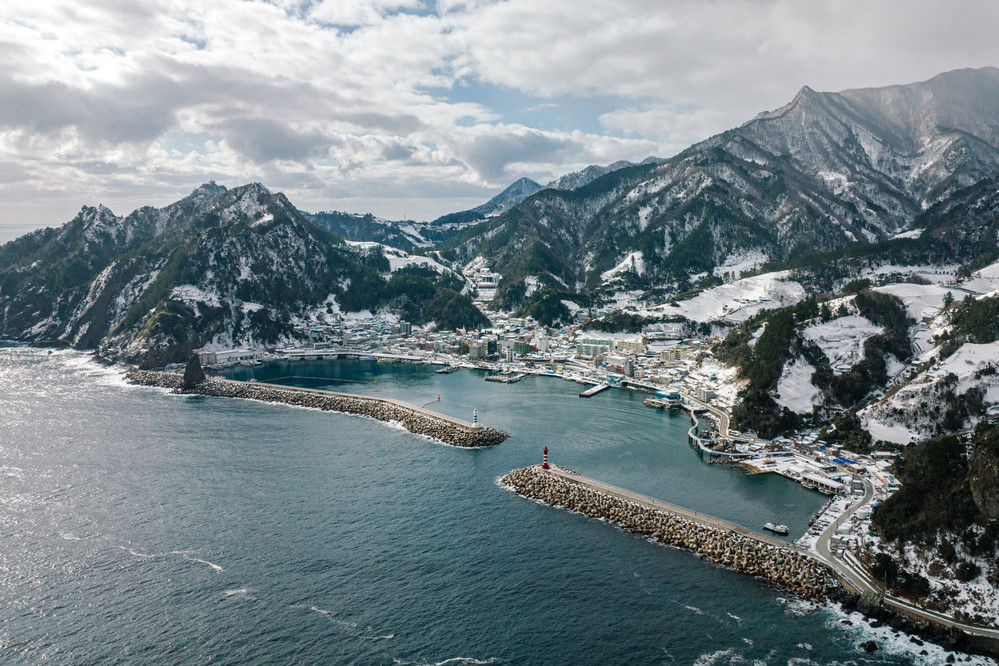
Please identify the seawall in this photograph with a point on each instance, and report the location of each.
(756, 556)
(414, 419)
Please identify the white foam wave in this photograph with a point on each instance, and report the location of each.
(893, 642)
(711, 658)
(186, 554)
(201, 561)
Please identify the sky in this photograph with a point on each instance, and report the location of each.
(410, 109)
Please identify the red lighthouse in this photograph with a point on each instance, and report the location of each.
(544, 465)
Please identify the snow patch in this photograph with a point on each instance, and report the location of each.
(635, 261)
(188, 293)
(795, 387)
(842, 339)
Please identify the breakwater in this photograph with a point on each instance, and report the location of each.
(414, 419)
(756, 555)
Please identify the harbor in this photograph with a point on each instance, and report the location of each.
(713, 539)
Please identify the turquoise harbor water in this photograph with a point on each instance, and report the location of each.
(144, 527)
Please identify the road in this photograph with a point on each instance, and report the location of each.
(720, 414)
(852, 573)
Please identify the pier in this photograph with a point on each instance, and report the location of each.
(592, 391)
(506, 379)
(415, 419)
(711, 538)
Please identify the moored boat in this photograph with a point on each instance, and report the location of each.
(776, 529)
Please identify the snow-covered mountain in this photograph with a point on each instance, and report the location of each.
(826, 171)
(219, 268)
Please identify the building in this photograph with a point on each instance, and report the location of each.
(476, 351)
(226, 356)
(521, 348)
(705, 395)
(592, 343)
(675, 353)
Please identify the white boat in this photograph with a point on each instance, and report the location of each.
(776, 529)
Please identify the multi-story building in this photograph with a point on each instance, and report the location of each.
(590, 343)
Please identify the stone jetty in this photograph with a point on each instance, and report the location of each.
(414, 419)
(787, 569)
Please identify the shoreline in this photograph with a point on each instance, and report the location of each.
(416, 420)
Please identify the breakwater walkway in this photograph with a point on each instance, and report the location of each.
(414, 419)
(711, 538)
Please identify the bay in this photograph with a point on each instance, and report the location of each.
(144, 527)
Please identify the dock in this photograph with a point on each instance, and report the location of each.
(593, 390)
(505, 379)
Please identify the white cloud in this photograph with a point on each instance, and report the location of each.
(374, 102)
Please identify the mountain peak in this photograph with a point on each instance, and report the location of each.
(512, 195)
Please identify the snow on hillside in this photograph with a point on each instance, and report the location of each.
(913, 411)
(982, 282)
(633, 262)
(736, 264)
(842, 339)
(923, 301)
(738, 301)
(188, 293)
(795, 388)
(398, 258)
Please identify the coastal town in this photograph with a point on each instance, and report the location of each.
(677, 374)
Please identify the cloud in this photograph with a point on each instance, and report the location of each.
(263, 140)
(374, 101)
(489, 154)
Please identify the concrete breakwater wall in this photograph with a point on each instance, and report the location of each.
(785, 568)
(414, 419)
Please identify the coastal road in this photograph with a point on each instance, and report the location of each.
(720, 414)
(851, 572)
(824, 544)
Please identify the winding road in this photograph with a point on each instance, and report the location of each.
(852, 574)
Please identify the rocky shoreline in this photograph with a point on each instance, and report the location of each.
(783, 567)
(413, 419)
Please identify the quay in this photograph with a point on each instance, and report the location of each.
(415, 419)
(720, 541)
(593, 390)
(505, 379)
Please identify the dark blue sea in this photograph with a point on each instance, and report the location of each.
(140, 527)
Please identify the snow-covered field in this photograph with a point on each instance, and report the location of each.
(635, 261)
(736, 264)
(842, 339)
(738, 301)
(923, 301)
(795, 387)
(398, 258)
(906, 415)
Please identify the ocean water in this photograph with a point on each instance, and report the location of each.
(144, 527)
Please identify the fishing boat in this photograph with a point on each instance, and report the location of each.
(776, 529)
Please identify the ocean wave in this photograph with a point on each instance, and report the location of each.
(186, 554)
(449, 661)
(890, 641)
